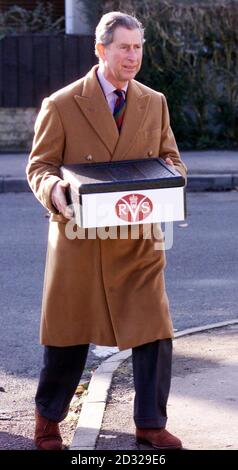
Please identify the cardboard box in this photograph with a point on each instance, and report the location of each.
(125, 192)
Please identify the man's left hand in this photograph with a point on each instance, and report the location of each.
(169, 161)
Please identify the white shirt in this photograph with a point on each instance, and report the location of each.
(108, 89)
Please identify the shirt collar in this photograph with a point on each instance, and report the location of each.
(107, 86)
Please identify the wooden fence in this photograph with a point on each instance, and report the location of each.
(34, 66)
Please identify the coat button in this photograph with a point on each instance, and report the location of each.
(150, 153)
(89, 158)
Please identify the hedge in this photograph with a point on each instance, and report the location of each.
(191, 55)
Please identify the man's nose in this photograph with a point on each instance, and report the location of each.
(132, 54)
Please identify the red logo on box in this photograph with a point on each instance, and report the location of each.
(133, 207)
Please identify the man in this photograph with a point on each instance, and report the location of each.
(107, 292)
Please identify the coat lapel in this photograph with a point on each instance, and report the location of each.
(137, 106)
(94, 106)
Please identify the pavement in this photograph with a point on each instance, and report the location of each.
(203, 403)
(211, 170)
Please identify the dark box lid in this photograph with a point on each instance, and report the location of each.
(123, 175)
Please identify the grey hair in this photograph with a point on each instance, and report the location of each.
(110, 21)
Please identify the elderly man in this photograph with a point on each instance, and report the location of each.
(107, 292)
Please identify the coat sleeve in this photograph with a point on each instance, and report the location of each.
(47, 153)
(168, 146)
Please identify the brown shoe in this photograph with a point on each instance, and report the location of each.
(158, 438)
(47, 434)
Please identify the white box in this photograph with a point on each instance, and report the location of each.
(125, 192)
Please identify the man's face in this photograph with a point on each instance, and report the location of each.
(122, 58)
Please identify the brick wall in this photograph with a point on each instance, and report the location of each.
(16, 128)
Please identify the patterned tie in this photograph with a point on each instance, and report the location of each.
(119, 110)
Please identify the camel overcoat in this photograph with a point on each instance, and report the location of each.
(102, 291)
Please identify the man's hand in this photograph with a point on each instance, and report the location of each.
(169, 161)
(59, 200)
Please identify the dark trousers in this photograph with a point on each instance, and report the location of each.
(63, 368)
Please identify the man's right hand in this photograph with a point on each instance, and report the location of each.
(59, 199)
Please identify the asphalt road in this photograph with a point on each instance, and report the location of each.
(202, 268)
(201, 276)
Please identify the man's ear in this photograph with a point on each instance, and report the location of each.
(100, 48)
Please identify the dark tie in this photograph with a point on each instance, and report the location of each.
(119, 110)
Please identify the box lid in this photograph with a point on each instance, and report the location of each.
(123, 175)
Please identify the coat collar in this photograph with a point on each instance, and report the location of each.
(94, 106)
